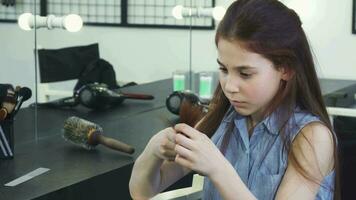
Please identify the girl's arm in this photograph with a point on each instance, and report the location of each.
(314, 151)
(154, 170)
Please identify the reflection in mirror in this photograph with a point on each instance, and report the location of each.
(121, 43)
(17, 70)
(145, 46)
(202, 64)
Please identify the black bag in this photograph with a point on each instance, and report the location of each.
(98, 71)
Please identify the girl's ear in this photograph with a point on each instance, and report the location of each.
(287, 73)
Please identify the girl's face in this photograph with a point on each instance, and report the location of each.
(248, 80)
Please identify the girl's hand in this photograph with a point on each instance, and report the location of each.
(196, 151)
(162, 144)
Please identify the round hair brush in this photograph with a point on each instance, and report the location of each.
(88, 134)
(191, 113)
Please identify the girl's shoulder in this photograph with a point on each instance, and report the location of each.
(300, 119)
(291, 124)
(317, 140)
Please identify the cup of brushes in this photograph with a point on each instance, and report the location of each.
(88, 135)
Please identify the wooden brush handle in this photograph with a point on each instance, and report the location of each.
(137, 96)
(115, 144)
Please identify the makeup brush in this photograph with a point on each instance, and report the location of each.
(88, 134)
(8, 100)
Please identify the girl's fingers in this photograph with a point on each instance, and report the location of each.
(184, 152)
(171, 134)
(169, 152)
(186, 130)
(169, 145)
(183, 161)
(171, 158)
(184, 141)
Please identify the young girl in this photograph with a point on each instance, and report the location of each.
(271, 136)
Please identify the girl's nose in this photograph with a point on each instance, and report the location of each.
(232, 84)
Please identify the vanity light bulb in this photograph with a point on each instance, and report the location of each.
(24, 21)
(177, 12)
(218, 12)
(73, 23)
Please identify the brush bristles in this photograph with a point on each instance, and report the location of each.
(78, 130)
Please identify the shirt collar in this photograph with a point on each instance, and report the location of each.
(274, 124)
(231, 114)
(270, 122)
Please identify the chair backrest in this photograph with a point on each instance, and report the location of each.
(344, 122)
(61, 65)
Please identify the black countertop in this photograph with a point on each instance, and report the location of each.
(72, 168)
(76, 173)
(70, 164)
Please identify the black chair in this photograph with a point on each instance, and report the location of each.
(62, 65)
(345, 128)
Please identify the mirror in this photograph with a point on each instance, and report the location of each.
(144, 46)
(18, 69)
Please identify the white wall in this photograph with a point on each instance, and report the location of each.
(328, 25)
(143, 55)
(140, 55)
(16, 55)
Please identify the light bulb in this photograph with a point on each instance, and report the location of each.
(73, 23)
(218, 12)
(24, 21)
(177, 12)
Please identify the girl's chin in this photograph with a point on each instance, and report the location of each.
(242, 111)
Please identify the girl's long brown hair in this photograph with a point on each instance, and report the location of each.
(269, 28)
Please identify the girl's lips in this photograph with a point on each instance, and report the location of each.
(237, 103)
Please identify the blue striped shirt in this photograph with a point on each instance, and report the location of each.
(261, 160)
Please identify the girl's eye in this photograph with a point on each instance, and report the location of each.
(223, 69)
(245, 75)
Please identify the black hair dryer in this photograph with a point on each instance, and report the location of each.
(94, 96)
(99, 96)
(175, 99)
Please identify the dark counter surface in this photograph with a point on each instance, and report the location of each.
(71, 164)
(72, 168)
(76, 173)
